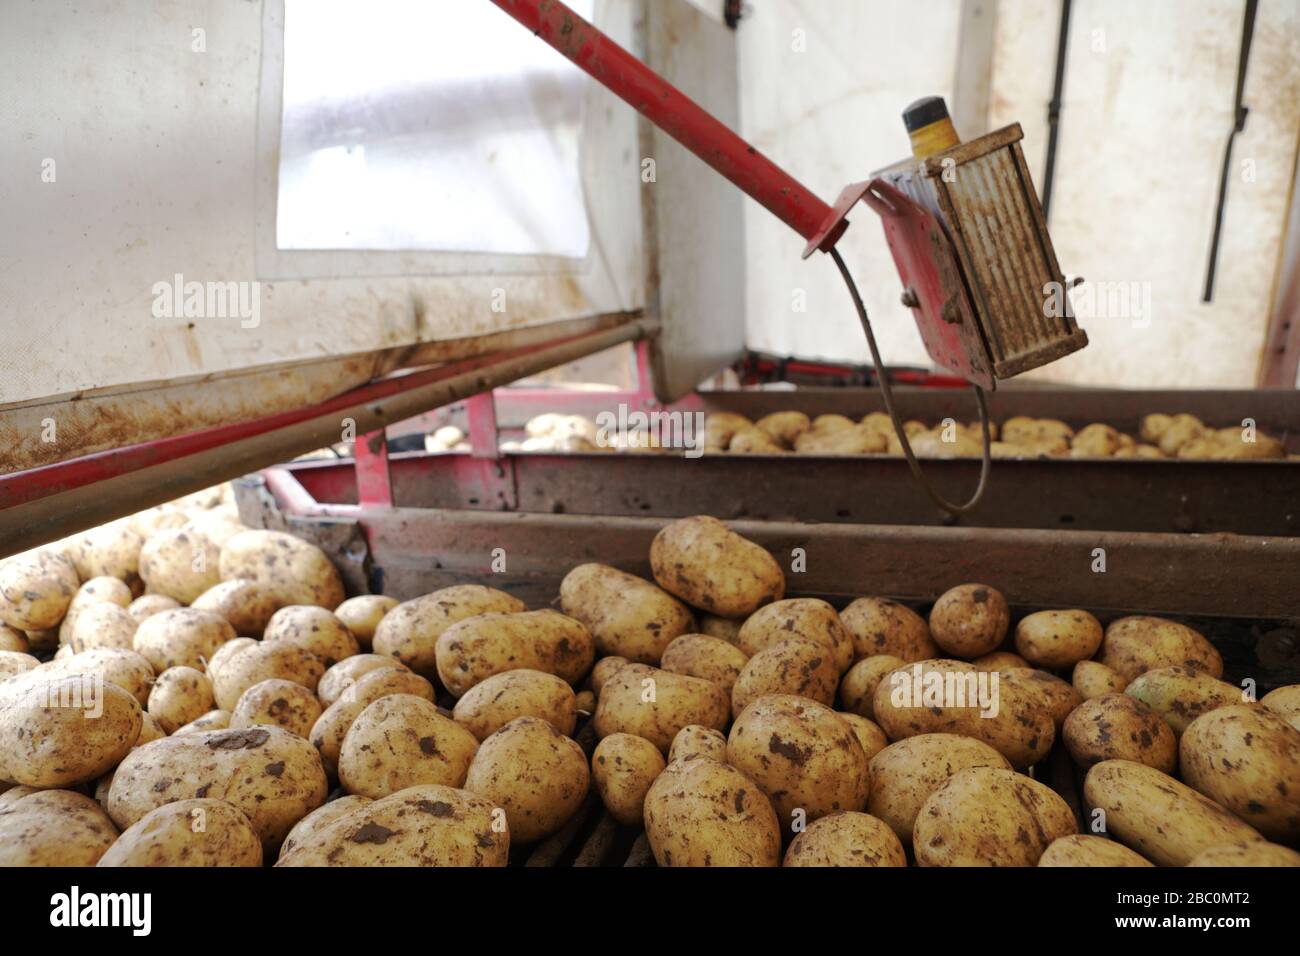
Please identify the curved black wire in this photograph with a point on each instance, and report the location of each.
(893, 415)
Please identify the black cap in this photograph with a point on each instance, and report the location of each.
(926, 110)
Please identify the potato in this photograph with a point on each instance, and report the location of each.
(151, 520)
(102, 625)
(329, 731)
(1181, 430)
(1001, 661)
(846, 839)
(1086, 849)
(584, 702)
(13, 663)
(1250, 853)
(944, 696)
(1246, 759)
(62, 731)
(278, 703)
(1133, 645)
(1092, 679)
(150, 730)
(868, 733)
(428, 825)
(853, 440)
(402, 741)
(784, 427)
(1058, 639)
(754, 441)
(111, 550)
(320, 818)
(804, 757)
(36, 589)
(490, 705)
(247, 605)
(474, 649)
(798, 617)
(623, 767)
(13, 640)
(1285, 701)
(226, 653)
(1095, 441)
(604, 669)
(798, 666)
(1119, 727)
(708, 658)
(627, 616)
(1058, 697)
(296, 572)
(535, 773)
(904, 774)
(273, 776)
(722, 628)
(101, 590)
(212, 720)
(54, 828)
(181, 638)
(180, 564)
(719, 428)
(1181, 694)
(832, 422)
(180, 695)
(696, 740)
(702, 812)
(1167, 822)
(970, 620)
(264, 661)
(202, 832)
(313, 629)
(147, 605)
(656, 704)
(361, 615)
(348, 671)
(712, 568)
(858, 689)
(987, 816)
(410, 631)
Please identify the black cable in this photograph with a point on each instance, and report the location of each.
(887, 394)
(1054, 108)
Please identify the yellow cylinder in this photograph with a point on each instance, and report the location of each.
(930, 127)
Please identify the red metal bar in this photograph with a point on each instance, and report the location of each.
(481, 413)
(675, 113)
(370, 454)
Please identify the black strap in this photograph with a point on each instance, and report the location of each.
(1054, 107)
(1239, 114)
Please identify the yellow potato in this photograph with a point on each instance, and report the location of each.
(1119, 727)
(708, 658)
(127, 669)
(858, 689)
(702, 812)
(623, 767)
(102, 625)
(247, 605)
(970, 620)
(147, 605)
(533, 772)
(1181, 694)
(604, 669)
(1250, 853)
(1058, 697)
(320, 818)
(53, 828)
(798, 666)
(402, 741)
(36, 589)
(337, 679)
(703, 562)
(1095, 441)
(296, 571)
(784, 427)
(724, 628)
(98, 590)
(1092, 679)
(1058, 639)
(1086, 849)
(798, 617)
(410, 631)
(1285, 701)
(313, 629)
(329, 731)
(474, 649)
(986, 816)
(804, 757)
(656, 704)
(13, 663)
(13, 640)
(264, 661)
(277, 703)
(754, 441)
(181, 638)
(111, 550)
(627, 616)
(490, 705)
(852, 440)
(846, 839)
(1133, 645)
(868, 732)
(179, 563)
(696, 740)
(361, 615)
(180, 695)
(1001, 661)
(202, 832)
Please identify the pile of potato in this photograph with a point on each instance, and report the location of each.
(211, 698)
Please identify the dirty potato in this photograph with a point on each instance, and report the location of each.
(1134, 645)
(627, 616)
(313, 629)
(203, 832)
(1058, 639)
(330, 729)
(703, 562)
(708, 658)
(102, 625)
(348, 671)
(702, 812)
(623, 767)
(1119, 727)
(532, 771)
(784, 427)
(798, 666)
(181, 638)
(212, 720)
(846, 839)
(858, 689)
(36, 589)
(147, 605)
(296, 571)
(1086, 849)
(178, 696)
(361, 615)
(264, 661)
(410, 631)
(723, 628)
(868, 732)
(1001, 661)
(804, 757)
(696, 740)
(402, 741)
(54, 828)
(1181, 694)
(986, 816)
(1058, 697)
(656, 704)
(970, 620)
(1092, 679)
(320, 818)
(277, 703)
(490, 705)
(1251, 853)
(880, 626)
(798, 617)
(179, 563)
(604, 669)
(247, 605)
(474, 649)
(13, 663)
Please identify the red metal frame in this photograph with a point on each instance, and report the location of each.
(374, 484)
(676, 114)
